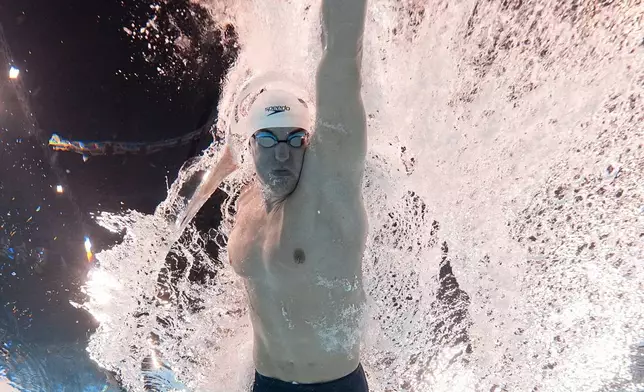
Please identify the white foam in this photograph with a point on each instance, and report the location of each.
(487, 123)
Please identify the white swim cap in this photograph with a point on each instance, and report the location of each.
(265, 102)
(277, 108)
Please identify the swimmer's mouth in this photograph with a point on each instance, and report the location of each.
(281, 173)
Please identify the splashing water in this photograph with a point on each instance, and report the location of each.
(505, 146)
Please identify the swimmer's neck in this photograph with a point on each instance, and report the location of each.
(270, 202)
(273, 204)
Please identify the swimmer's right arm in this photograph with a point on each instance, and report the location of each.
(214, 177)
(209, 184)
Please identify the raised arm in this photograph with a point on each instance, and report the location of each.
(343, 28)
(340, 138)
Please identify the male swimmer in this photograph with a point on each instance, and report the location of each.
(301, 226)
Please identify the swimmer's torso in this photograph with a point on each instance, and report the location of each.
(301, 265)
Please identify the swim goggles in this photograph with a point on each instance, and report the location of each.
(267, 139)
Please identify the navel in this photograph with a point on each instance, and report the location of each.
(298, 256)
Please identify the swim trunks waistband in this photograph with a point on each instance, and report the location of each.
(356, 381)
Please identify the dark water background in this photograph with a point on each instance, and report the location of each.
(85, 78)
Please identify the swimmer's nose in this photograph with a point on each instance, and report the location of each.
(281, 152)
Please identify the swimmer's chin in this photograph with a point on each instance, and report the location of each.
(278, 188)
(280, 179)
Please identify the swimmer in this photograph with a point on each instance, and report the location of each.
(301, 225)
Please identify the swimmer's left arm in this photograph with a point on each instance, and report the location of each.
(340, 111)
(343, 28)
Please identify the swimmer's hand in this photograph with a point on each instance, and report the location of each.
(209, 184)
(343, 26)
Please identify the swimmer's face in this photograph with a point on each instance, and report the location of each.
(278, 167)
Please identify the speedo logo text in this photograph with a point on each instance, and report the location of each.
(276, 109)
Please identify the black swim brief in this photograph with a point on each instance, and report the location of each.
(354, 382)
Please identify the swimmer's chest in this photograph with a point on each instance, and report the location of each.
(295, 242)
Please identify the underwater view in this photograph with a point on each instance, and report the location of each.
(496, 225)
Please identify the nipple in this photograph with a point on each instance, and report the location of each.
(299, 256)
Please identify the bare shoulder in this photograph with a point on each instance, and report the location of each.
(245, 207)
